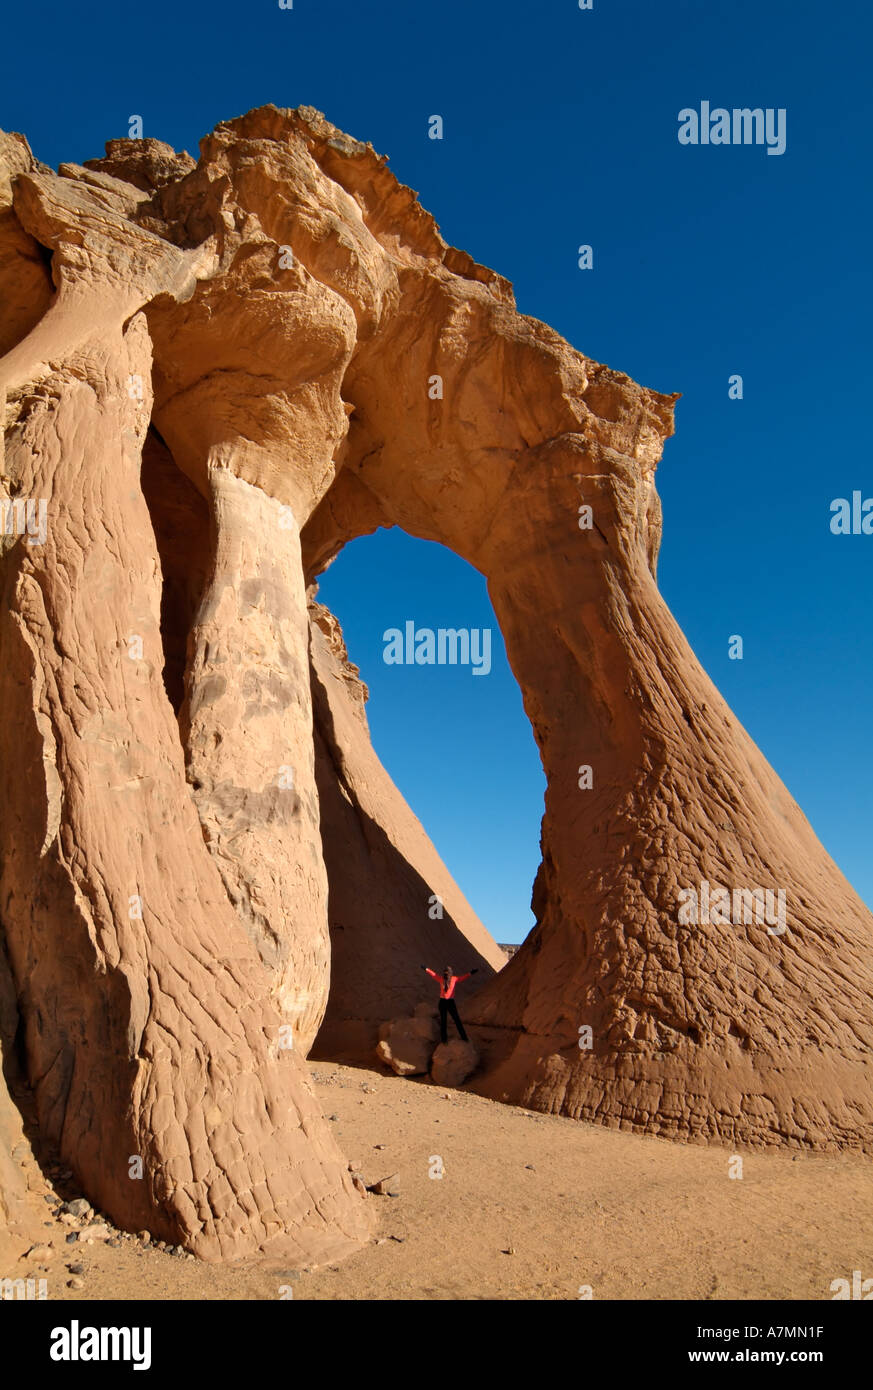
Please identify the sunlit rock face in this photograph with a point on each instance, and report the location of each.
(215, 375)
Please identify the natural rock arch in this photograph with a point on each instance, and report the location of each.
(715, 1030)
(292, 391)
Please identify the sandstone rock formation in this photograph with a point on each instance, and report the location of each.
(215, 375)
(149, 1028)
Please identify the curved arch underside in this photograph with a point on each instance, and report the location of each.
(278, 313)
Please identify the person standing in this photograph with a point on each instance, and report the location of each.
(447, 983)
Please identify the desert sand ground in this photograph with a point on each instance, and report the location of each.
(529, 1207)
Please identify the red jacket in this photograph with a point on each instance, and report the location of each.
(447, 990)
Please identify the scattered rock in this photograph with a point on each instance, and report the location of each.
(77, 1207)
(99, 1231)
(76, 1269)
(75, 1283)
(387, 1187)
(72, 1237)
(39, 1252)
(144, 1236)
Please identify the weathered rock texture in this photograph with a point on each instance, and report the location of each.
(216, 374)
(149, 1026)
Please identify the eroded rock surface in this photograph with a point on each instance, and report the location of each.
(267, 321)
(149, 1024)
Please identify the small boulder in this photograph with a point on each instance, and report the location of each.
(453, 1062)
(41, 1253)
(406, 1044)
(387, 1187)
(99, 1231)
(78, 1207)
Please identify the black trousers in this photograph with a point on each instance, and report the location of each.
(448, 1006)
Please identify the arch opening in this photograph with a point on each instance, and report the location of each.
(180, 519)
(449, 745)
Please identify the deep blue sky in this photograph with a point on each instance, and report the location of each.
(560, 128)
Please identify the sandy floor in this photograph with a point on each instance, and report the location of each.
(529, 1207)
